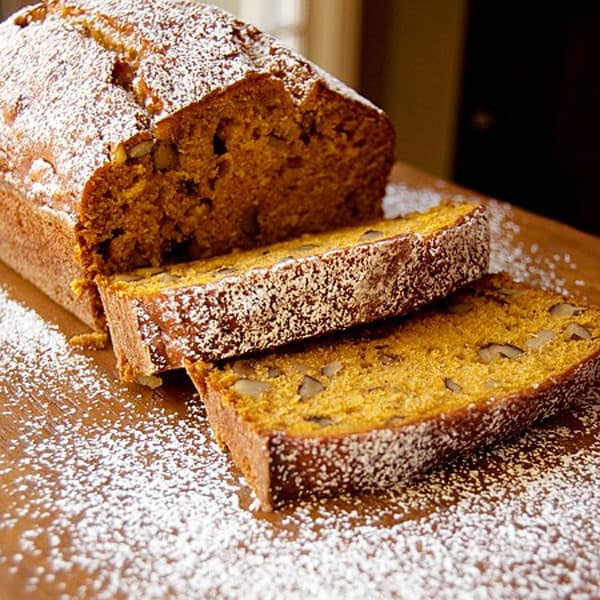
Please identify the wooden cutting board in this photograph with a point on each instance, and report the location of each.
(110, 491)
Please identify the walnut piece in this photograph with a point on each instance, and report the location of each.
(541, 338)
(452, 385)
(564, 310)
(575, 331)
(371, 234)
(164, 155)
(141, 149)
(332, 368)
(310, 387)
(250, 387)
(119, 155)
(320, 420)
(274, 372)
(492, 351)
(243, 368)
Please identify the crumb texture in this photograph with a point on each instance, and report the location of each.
(489, 341)
(368, 408)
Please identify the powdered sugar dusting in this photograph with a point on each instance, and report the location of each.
(150, 507)
(124, 494)
(65, 116)
(302, 297)
(32, 347)
(508, 254)
(188, 50)
(62, 103)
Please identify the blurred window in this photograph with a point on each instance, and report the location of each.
(285, 19)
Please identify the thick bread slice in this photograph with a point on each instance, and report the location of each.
(375, 406)
(263, 298)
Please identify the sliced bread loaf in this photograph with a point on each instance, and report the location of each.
(145, 132)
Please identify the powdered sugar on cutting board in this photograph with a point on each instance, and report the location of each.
(141, 503)
(524, 264)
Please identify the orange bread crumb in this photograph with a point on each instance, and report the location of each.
(145, 133)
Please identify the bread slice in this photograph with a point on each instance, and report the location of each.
(145, 132)
(263, 298)
(371, 407)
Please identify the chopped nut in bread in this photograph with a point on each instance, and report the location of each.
(176, 132)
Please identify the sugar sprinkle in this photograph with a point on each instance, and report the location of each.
(142, 504)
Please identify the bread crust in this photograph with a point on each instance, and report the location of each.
(249, 449)
(303, 297)
(313, 467)
(379, 459)
(35, 241)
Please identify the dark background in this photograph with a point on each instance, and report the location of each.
(528, 103)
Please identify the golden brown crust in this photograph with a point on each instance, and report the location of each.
(305, 297)
(125, 334)
(248, 448)
(313, 464)
(320, 467)
(39, 244)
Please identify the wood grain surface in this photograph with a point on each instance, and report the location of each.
(35, 409)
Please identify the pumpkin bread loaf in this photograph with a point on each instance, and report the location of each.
(258, 299)
(144, 132)
(377, 405)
